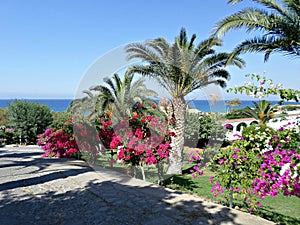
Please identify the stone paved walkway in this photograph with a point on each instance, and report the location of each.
(59, 191)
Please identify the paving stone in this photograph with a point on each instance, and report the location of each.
(69, 192)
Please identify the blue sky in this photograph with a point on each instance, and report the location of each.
(47, 46)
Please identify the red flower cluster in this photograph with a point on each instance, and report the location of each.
(86, 137)
(57, 143)
(141, 139)
(105, 130)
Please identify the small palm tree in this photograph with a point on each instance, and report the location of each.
(280, 27)
(263, 111)
(180, 68)
(84, 106)
(117, 97)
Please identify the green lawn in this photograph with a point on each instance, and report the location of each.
(281, 209)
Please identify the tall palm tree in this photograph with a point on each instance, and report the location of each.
(262, 111)
(118, 96)
(180, 68)
(280, 27)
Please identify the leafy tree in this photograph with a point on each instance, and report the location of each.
(60, 119)
(280, 27)
(3, 117)
(181, 68)
(29, 119)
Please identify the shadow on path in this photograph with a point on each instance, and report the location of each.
(111, 203)
(74, 194)
(41, 179)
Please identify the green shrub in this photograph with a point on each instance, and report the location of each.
(60, 119)
(191, 133)
(29, 119)
(203, 130)
(236, 114)
(290, 107)
(257, 136)
(211, 130)
(3, 117)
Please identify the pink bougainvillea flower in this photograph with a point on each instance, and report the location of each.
(244, 158)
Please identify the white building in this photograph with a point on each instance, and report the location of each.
(237, 125)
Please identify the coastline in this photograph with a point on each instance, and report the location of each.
(59, 105)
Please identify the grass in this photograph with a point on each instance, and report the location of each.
(281, 209)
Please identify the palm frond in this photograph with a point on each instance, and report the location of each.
(266, 45)
(279, 24)
(90, 94)
(160, 45)
(233, 1)
(249, 19)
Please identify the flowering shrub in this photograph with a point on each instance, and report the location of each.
(105, 130)
(87, 139)
(142, 139)
(195, 157)
(137, 140)
(281, 165)
(262, 163)
(57, 143)
(228, 126)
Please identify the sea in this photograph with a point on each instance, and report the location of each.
(60, 105)
(56, 105)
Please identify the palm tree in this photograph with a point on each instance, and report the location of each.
(115, 98)
(118, 97)
(180, 68)
(85, 106)
(262, 111)
(280, 27)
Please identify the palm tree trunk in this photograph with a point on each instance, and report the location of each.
(176, 117)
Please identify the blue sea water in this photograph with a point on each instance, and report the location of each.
(56, 105)
(59, 105)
